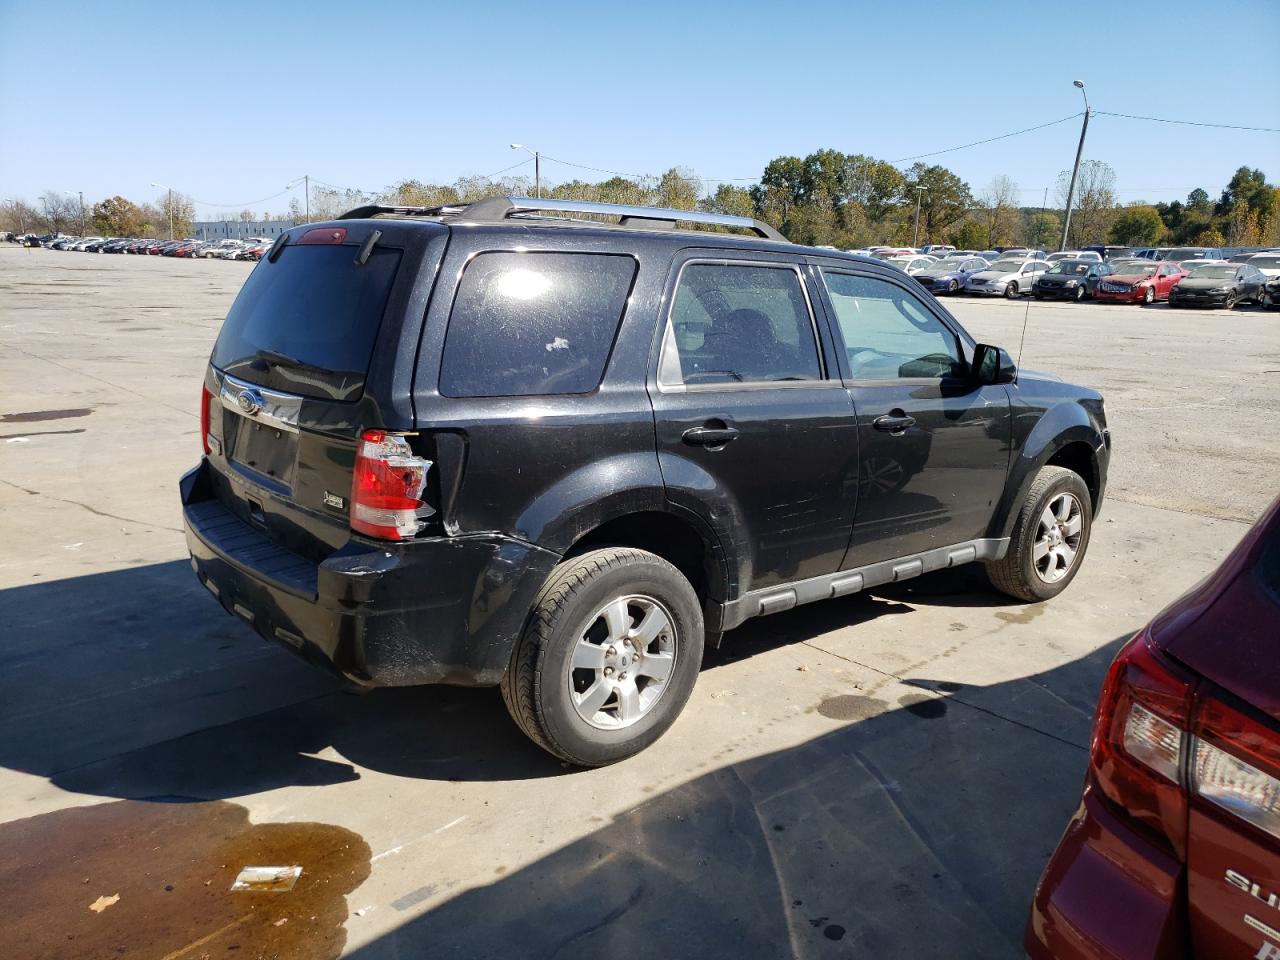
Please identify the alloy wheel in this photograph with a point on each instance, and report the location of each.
(622, 662)
(1057, 542)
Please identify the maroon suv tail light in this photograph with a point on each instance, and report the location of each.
(1140, 738)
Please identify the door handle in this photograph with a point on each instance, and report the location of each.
(896, 424)
(709, 436)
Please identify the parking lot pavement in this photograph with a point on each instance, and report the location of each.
(884, 774)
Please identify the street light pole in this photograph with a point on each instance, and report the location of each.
(915, 237)
(1075, 171)
(537, 168)
(45, 201)
(170, 189)
(81, 192)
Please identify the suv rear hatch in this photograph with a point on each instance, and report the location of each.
(318, 347)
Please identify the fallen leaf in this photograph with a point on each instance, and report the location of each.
(103, 902)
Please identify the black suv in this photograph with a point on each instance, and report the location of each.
(504, 444)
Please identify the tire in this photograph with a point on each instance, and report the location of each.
(541, 688)
(1150, 295)
(1231, 301)
(1020, 572)
(1079, 295)
(952, 287)
(1011, 290)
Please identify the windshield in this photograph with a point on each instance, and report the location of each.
(1265, 263)
(1186, 253)
(1216, 271)
(1134, 268)
(1007, 266)
(950, 263)
(1069, 266)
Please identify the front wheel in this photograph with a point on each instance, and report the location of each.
(1232, 300)
(1150, 295)
(609, 657)
(952, 287)
(1049, 539)
(1011, 290)
(1080, 291)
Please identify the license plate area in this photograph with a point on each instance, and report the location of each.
(263, 449)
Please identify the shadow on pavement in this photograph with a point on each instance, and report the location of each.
(135, 684)
(913, 833)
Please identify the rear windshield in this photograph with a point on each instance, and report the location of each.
(527, 324)
(306, 323)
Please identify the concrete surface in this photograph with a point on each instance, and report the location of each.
(880, 775)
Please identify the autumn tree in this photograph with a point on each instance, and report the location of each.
(1094, 203)
(117, 217)
(998, 211)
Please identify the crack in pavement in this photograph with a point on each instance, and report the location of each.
(93, 510)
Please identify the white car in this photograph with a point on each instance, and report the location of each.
(79, 245)
(1008, 277)
(1268, 263)
(1075, 255)
(217, 249)
(912, 265)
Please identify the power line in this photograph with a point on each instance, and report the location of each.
(1189, 123)
(978, 143)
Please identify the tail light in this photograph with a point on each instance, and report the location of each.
(1235, 764)
(1140, 741)
(206, 402)
(387, 487)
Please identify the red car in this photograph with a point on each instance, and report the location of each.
(1140, 281)
(1174, 851)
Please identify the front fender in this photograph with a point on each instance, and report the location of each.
(1048, 432)
(591, 495)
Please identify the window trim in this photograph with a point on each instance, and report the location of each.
(963, 341)
(667, 342)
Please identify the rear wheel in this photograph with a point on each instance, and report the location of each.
(1049, 538)
(1011, 290)
(610, 654)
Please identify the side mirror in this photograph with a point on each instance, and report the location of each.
(992, 365)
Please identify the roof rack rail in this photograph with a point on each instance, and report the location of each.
(378, 209)
(502, 208)
(493, 209)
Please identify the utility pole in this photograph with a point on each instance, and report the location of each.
(1075, 171)
(1040, 226)
(915, 237)
(81, 192)
(45, 200)
(537, 167)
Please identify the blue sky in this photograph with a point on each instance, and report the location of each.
(228, 101)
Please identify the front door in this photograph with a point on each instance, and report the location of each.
(755, 430)
(934, 446)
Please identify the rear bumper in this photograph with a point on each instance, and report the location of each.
(436, 610)
(1108, 892)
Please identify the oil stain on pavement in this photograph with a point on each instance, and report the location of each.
(152, 880)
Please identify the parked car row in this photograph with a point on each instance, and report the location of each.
(251, 248)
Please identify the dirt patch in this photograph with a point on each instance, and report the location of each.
(152, 880)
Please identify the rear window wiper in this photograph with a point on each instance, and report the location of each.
(284, 360)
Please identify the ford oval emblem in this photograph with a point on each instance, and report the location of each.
(249, 401)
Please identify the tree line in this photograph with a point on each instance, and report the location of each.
(826, 198)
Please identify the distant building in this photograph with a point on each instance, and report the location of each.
(239, 229)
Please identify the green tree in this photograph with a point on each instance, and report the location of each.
(678, 189)
(946, 198)
(1043, 229)
(729, 200)
(874, 185)
(1247, 186)
(970, 235)
(1137, 225)
(1198, 199)
(117, 217)
(998, 212)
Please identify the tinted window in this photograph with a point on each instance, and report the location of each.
(307, 323)
(738, 323)
(524, 324)
(888, 333)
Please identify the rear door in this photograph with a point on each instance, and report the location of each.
(317, 347)
(755, 431)
(934, 446)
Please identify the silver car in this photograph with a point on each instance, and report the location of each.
(1008, 277)
(912, 265)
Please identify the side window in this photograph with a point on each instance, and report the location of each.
(526, 324)
(739, 323)
(888, 333)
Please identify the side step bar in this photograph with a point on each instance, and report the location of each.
(758, 603)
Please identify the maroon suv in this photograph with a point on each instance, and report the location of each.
(1175, 848)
